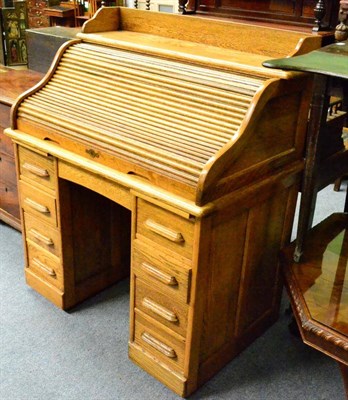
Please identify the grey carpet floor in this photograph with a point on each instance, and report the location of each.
(47, 353)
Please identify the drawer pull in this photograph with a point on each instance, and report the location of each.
(158, 345)
(43, 173)
(46, 240)
(164, 231)
(41, 265)
(159, 275)
(36, 206)
(159, 310)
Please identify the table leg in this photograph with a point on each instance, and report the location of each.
(319, 106)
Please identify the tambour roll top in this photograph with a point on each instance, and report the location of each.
(174, 120)
(167, 116)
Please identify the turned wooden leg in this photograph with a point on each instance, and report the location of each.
(337, 185)
(319, 13)
(319, 105)
(344, 372)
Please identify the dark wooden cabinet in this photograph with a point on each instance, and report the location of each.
(36, 15)
(12, 83)
(294, 12)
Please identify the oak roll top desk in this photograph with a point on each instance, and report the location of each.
(158, 146)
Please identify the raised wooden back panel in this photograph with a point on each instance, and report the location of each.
(294, 12)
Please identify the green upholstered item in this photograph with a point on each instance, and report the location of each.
(330, 60)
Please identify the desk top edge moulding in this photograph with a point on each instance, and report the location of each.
(165, 154)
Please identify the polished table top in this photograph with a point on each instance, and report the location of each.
(330, 60)
(322, 275)
(318, 288)
(13, 82)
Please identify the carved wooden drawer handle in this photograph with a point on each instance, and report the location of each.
(164, 231)
(159, 310)
(158, 345)
(43, 173)
(39, 236)
(36, 206)
(159, 275)
(44, 267)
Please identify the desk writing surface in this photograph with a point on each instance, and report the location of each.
(330, 60)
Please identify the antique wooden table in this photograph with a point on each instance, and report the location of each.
(315, 265)
(326, 157)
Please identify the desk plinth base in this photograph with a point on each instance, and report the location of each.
(171, 379)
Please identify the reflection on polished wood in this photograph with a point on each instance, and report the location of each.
(318, 288)
(326, 297)
(319, 283)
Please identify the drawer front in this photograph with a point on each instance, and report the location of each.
(42, 234)
(162, 271)
(37, 167)
(163, 346)
(6, 145)
(8, 169)
(165, 228)
(37, 5)
(160, 307)
(9, 199)
(44, 265)
(38, 21)
(38, 203)
(5, 111)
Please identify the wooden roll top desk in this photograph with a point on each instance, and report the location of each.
(158, 146)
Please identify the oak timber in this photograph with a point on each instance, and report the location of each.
(176, 159)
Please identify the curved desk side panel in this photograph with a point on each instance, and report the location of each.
(268, 140)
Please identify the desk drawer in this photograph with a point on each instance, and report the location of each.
(162, 308)
(167, 348)
(8, 169)
(44, 265)
(6, 144)
(42, 234)
(9, 199)
(5, 110)
(37, 168)
(38, 203)
(171, 275)
(165, 228)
